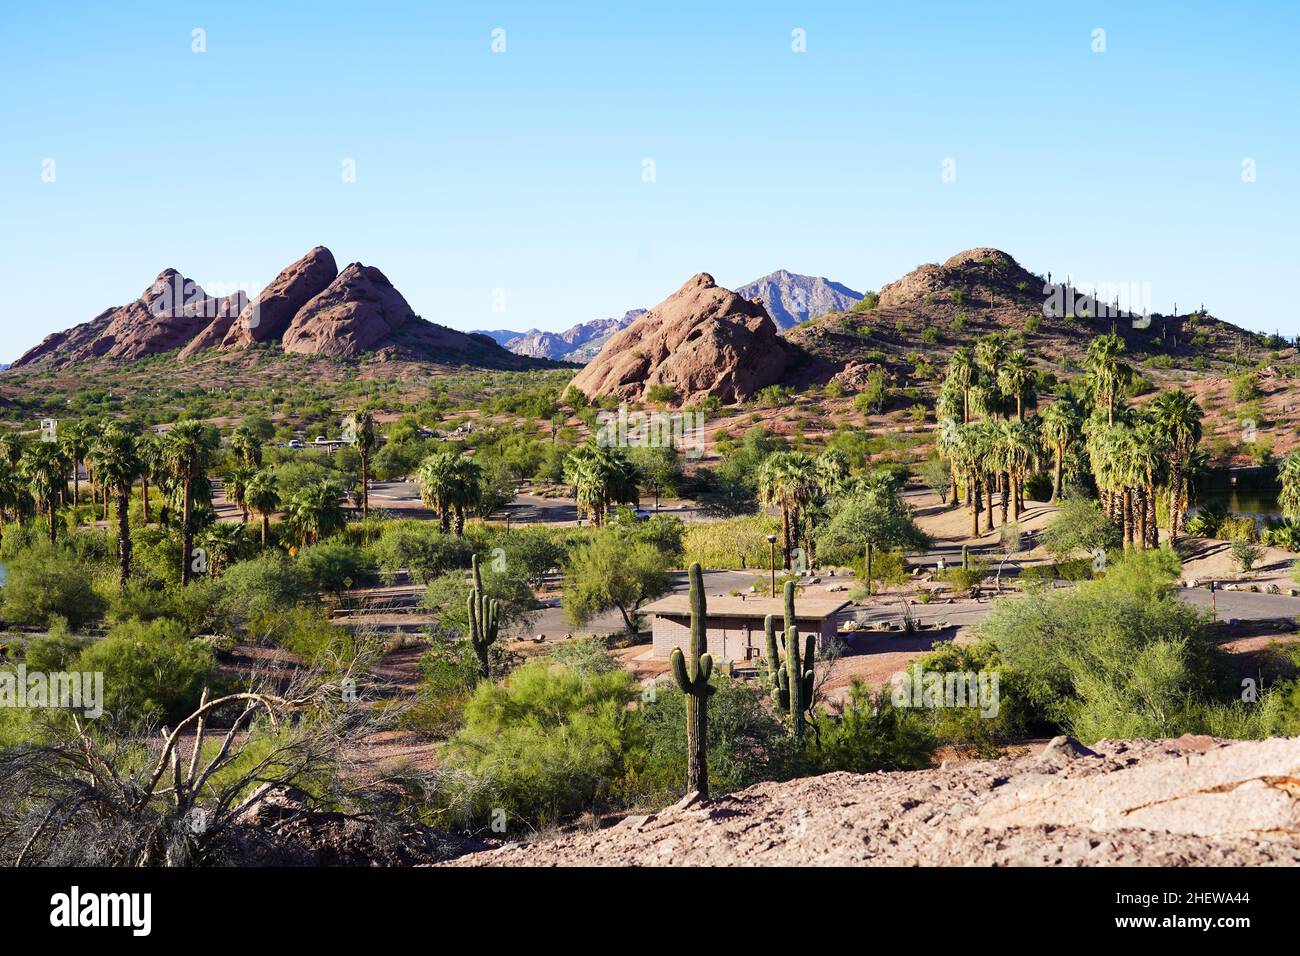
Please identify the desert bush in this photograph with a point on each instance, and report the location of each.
(544, 745)
(151, 670)
(420, 548)
(1207, 521)
(1080, 525)
(46, 581)
(968, 728)
(333, 567)
(1245, 554)
(867, 734)
(1117, 657)
(747, 743)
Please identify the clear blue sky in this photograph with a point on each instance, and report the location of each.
(523, 170)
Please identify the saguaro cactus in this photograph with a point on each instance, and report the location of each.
(483, 627)
(792, 682)
(692, 675)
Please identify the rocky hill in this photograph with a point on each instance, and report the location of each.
(791, 299)
(702, 341)
(938, 307)
(1193, 801)
(310, 308)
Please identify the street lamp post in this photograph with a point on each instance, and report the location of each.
(771, 539)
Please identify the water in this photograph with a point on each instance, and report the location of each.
(1252, 502)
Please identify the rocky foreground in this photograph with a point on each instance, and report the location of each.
(1194, 801)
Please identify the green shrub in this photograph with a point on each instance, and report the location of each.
(544, 745)
(46, 581)
(1080, 525)
(333, 567)
(747, 743)
(967, 728)
(151, 670)
(866, 735)
(421, 548)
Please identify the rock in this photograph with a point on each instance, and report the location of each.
(702, 341)
(1272, 589)
(268, 316)
(1191, 801)
(853, 376)
(167, 314)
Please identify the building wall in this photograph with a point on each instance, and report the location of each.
(729, 638)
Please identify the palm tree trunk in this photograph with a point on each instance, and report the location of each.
(144, 497)
(1056, 476)
(460, 519)
(988, 499)
(1153, 528)
(50, 509)
(124, 534)
(1175, 512)
(266, 529)
(1140, 517)
(365, 488)
(187, 533)
(1127, 505)
(1005, 480)
(975, 505)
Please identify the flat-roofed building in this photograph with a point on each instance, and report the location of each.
(734, 625)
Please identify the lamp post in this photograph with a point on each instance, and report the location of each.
(771, 539)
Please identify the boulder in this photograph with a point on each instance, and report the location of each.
(703, 341)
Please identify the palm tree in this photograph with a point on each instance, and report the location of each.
(435, 476)
(11, 447)
(11, 492)
(1149, 454)
(832, 471)
(118, 464)
(46, 470)
(968, 459)
(237, 480)
(1015, 377)
(600, 476)
(74, 441)
(1106, 373)
(1177, 418)
(1017, 446)
(1288, 473)
(783, 480)
(263, 497)
(962, 372)
(150, 450)
(315, 511)
(221, 540)
(1062, 425)
(367, 440)
(187, 450)
(946, 443)
(246, 443)
(990, 351)
(466, 489)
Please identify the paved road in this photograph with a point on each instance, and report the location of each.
(525, 509)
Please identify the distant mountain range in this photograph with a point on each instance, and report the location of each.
(789, 298)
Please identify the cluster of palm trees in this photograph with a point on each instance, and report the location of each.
(990, 445)
(1137, 454)
(451, 484)
(1132, 454)
(601, 476)
(34, 480)
(802, 487)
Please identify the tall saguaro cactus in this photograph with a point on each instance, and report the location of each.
(483, 626)
(692, 675)
(792, 683)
